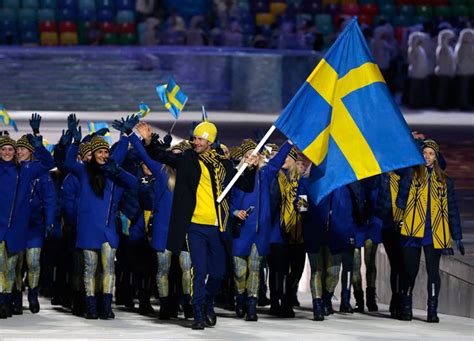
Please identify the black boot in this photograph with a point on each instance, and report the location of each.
(91, 308)
(263, 300)
(239, 305)
(33, 300)
(187, 307)
(295, 301)
(407, 313)
(198, 313)
(359, 297)
(370, 299)
(107, 312)
(144, 305)
(318, 309)
(275, 307)
(8, 298)
(345, 306)
(287, 306)
(394, 308)
(17, 302)
(78, 304)
(164, 308)
(210, 318)
(327, 300)
(3, 306)
(432, 310)
(251, 309)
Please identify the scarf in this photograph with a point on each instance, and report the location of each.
(414, 218)
(396, 211)
(289, 218)
(213, 162)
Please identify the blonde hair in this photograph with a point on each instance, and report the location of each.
(171, 177)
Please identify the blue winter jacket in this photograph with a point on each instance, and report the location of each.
(163, 197)
(257, 227)
(96, 217)
(15, 197)
(43, 209)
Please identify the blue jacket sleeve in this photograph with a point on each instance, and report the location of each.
(69, 197)
(127, 180)
(453, 212)
(154, 165)
(120, 150)
(43, 164)
(71, 163)
(404, 189)
(275, 164)
(48, 199)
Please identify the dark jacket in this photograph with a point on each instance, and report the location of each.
(188, 174)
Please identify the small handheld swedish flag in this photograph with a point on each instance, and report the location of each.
(96, 126)
(6, 119)
(172, 96)
(143, 110)
(345, 121)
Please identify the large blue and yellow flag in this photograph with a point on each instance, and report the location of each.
(172, 96)
(97, 126)
(344, 119)
(6, 119)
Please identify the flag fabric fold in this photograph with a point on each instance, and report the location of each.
(344, 119)
(6, 119)
(172, 97)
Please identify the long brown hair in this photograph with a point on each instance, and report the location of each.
(440, 174)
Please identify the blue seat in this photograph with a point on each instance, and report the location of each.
(68, 4)
(87, 4)
(28, 14)
(11, 4)
(8, 13)
(86, 15)
(105, 15)
(125, 5)
(29, 37)
(66, 14)
(105, 4)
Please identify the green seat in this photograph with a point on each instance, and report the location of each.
(48, 4)
(47, 14)
(443, 11)
(109, 39)
(457, 2)
(387, 9)
(381, 17)
(322, 19)
(402, 20)
(29, 4)
(8, 14)
(460, 10)
(11, 3)
(127, 39)
(325, 29)
(27, 14)
(419, 19)
(424, 10)
(406, 10)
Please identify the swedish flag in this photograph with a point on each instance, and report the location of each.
(96, 126)
(344, 118)
(172, 96)
(6, 119)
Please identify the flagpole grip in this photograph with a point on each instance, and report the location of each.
(245, 165)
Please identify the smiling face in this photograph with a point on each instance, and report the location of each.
(101, 156)
(7, 153)
(430, 156)
(201, 145)
(23, 154)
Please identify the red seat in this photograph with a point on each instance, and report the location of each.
(370, 9)
(127, 27)
(107, 27)
(47, 26)
(67, 26)
(366, 19)
(351, 9)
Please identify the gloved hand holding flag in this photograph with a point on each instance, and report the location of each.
(172, 96)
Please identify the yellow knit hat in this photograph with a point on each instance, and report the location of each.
(206, 130)
(97, 143)
(7, 141)
(23, 142)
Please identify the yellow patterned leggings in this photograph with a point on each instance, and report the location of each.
(91, 265)
(370, 250)
(324, 266)
(247, 273)
(33, 263)
(164, 264)
(7, 269)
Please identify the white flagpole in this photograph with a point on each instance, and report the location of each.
(245, 165)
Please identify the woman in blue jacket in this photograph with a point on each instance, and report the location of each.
(430, 222)
(16, 178)
(102, 183)
(254, 233)
(165, 178)
(328, 230)
(42, 219)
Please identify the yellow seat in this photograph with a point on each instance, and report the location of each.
(348, 2)
(68, 38)
(49, 39)
(327, 2)
(277, 8)
(264, 19)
